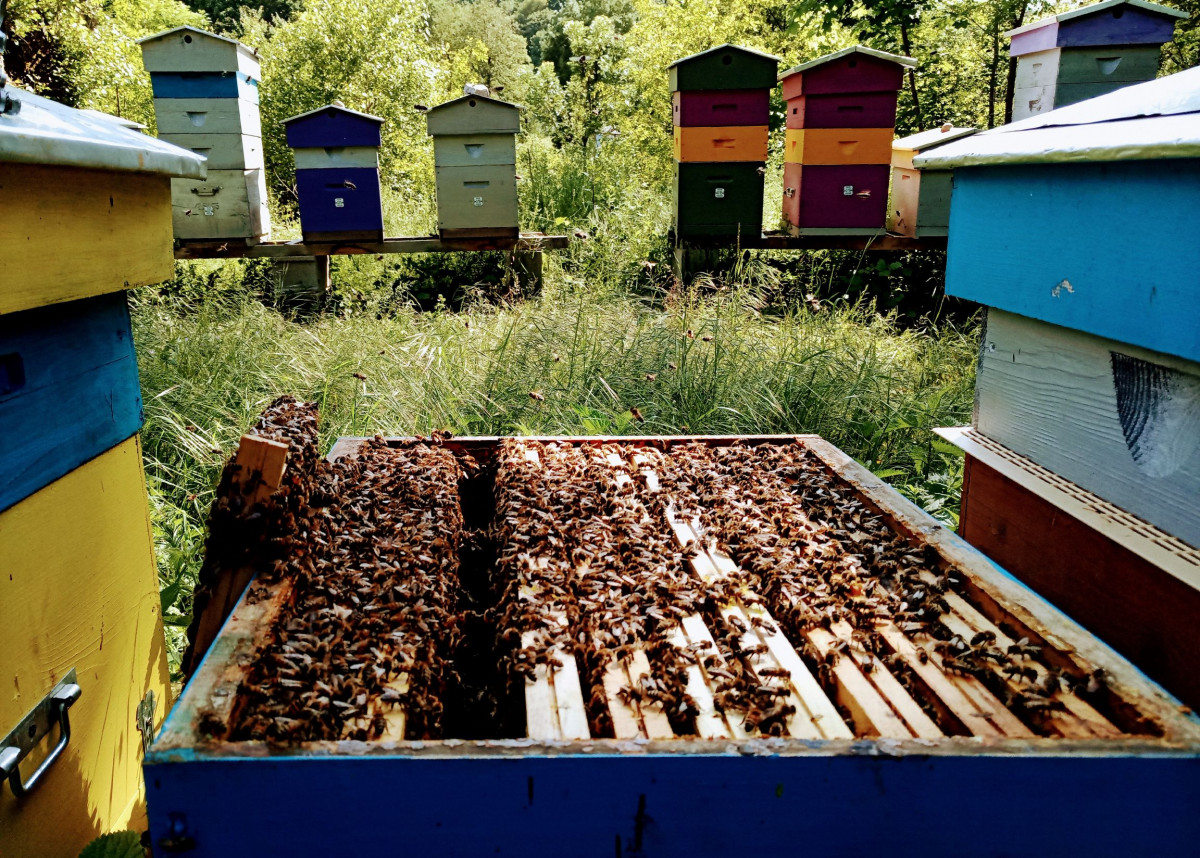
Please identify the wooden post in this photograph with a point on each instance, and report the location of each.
(527, 266)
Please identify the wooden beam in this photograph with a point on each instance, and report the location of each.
(261, 463)
(529, 242)
(818, 240)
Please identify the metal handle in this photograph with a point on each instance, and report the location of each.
(207, 192)
(60, 704)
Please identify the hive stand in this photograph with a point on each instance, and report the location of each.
(206, 99)
(1087, 52)
(85, 209)
(1084, 454)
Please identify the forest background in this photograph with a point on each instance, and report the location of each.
(861, 348)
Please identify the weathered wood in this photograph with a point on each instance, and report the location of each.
(223, 151)
(80, 233)
(68, 390)
(1034, 240)
(189, 49)
(1118, 421)
(476, 197)
(474, 150)
(79, 589)
(527, 242)
(207, 116)
(473, 114)
(229, 204)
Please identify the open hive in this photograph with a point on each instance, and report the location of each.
(650, 629)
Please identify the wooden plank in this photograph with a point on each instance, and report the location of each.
(80, 233)
(68, 390)
(261, 462)
(710, 724)
(223, 151)
(423, 244)
(1080, 719)
(724, 143)
(229, 204)
(1125, 283)
(871, 714)
(1118, 421)
(79, 590)
(207, 115)
(654, 721)
(541, 707)
(568, 698)
(1141, 609)
(626, 724)
(1076, 648)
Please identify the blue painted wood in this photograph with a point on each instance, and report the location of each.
(204, 85)
(1105, 248)
(340, 200)
(68, 390)
(1123, 25)
(331, 127)
(711, 805)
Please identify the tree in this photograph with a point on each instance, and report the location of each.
(479, 42)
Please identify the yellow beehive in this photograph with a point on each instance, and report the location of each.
(85, 213)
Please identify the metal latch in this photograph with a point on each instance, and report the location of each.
(145, 719)
(53, 709)
(207, 192)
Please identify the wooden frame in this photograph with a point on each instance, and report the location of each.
(677, 797)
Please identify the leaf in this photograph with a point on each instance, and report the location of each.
(170, 594)
(886, 473)
(179, 620)
(116, 844)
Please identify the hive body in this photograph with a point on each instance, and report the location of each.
(337, 174)
(85, 206)
(920, 201)
(206, 99)
(720, 107)
(1087, 52)
(841, 113)
(475, 158)
(1088, 387)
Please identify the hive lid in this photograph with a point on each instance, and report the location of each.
(46, 132)
(724, 67)
(190, 49)
(725, 47)
(332, 125)
(907, 62)
(474, 114)
(932, 138)
(1087, 11)
(1156, 119)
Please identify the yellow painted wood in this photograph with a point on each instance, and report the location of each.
(725, 143)
(838, 146)
(78, 589)
(70, 233)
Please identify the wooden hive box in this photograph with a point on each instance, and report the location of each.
(1089, 372)
(206, 99)
(85, 209)
(1088, 52)
(475, 159)
(835, 176)
(920, 201)
(721, 105)
(597, 758)
(337, 173)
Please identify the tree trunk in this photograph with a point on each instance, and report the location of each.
(906, 45)
(993, 74)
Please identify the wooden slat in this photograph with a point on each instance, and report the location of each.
(655, 724)
(710, 724)
(207, 249)
(261, 464)
(1080, 720)
(626, 724)
(871, 714)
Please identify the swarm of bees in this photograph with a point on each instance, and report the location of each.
(373, 624)
(587, 567)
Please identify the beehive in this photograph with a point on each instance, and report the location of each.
(1087, 52)
(1089, 374)
(720, 106)
(920, 200)
(85, 214)
(206, 99)
(337, 173)
(841, 115)
(475, 158)
(666, 641)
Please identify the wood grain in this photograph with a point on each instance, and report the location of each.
(79, 590)
(76, 233)
(1053, 395)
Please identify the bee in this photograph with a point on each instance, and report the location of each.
(537, 396)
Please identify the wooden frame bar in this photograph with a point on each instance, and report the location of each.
(527, 242)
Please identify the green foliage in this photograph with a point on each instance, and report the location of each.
(117, 844)
(83, 52)
(479, 43)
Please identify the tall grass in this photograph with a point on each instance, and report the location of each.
(573, 361)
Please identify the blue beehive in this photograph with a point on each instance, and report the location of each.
(337, 173)
(1074, 228)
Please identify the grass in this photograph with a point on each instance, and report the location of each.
(209, 368)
